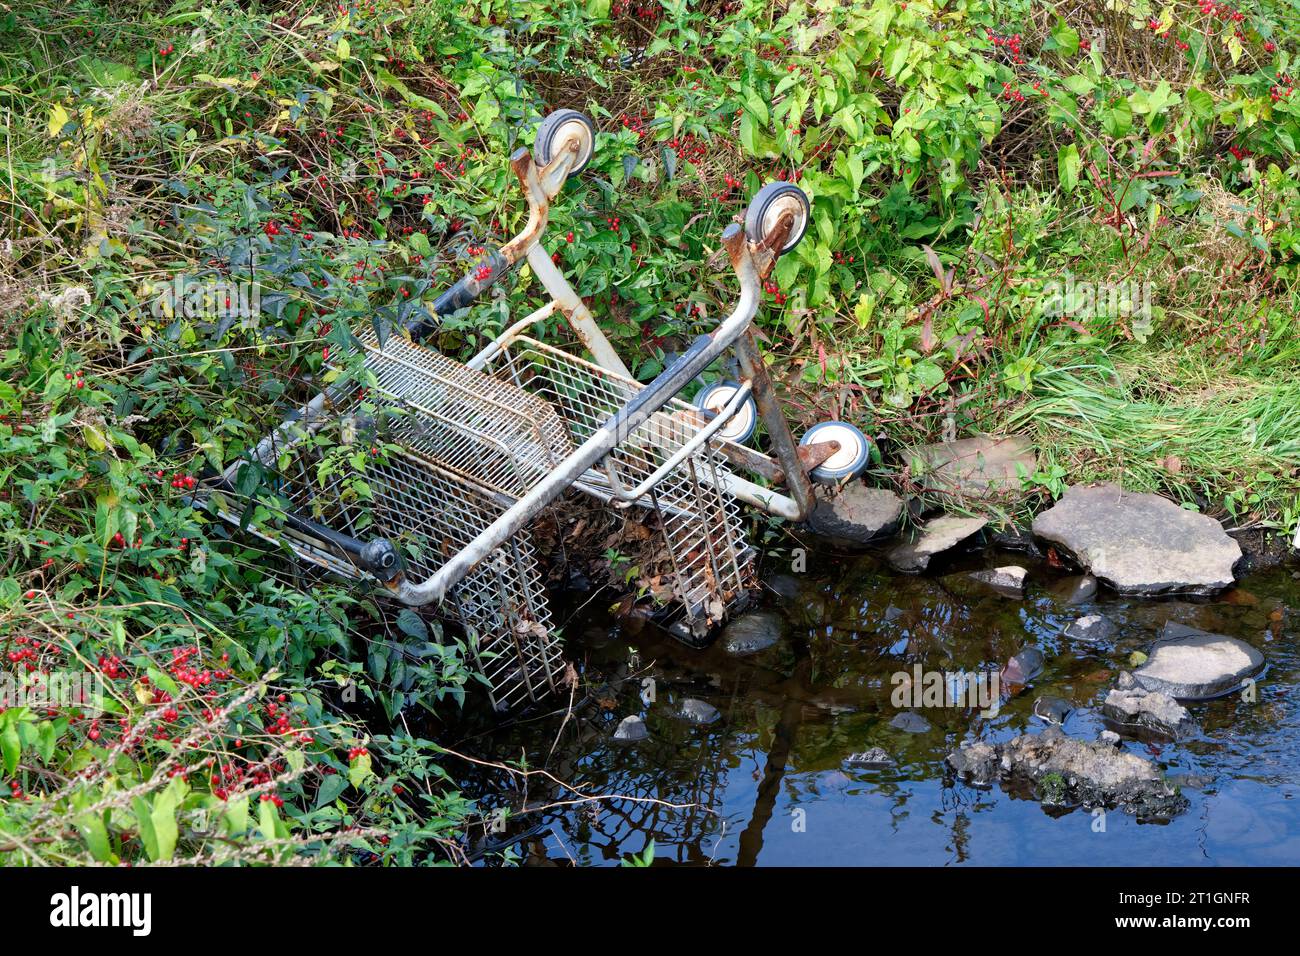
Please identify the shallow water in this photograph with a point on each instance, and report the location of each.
(770, 783)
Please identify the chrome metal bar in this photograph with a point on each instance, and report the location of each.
(579, 316)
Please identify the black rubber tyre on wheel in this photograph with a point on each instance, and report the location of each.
(767, 206)
(556, 129)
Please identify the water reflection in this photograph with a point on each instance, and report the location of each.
(770, 783)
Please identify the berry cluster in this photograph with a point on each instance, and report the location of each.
(689, 147)
(1010, 43)
(636, 123)
(78, 377)
(732, 183)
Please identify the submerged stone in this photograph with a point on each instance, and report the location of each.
(1091, 627)
(910, 723)
(1140, 543)
(1009, 580)
(1026, 664)
(934, 537)
(752, 633)
(1076, 589)
(1053, 710)
(1188, 664)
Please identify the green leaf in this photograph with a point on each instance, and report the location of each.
(1067, 167)
(10, 746)
(95, 834)
(330, 788)
(412, 625)
(358, 770)
(1066, 38)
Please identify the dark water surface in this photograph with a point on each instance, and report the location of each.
(770, 782)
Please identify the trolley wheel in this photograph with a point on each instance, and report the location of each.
(767, 207)
(713, 398)
(855, 449)
(560, 128)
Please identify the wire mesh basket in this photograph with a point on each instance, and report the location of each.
(430, 512)
(710, 562)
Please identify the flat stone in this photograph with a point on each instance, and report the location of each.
(631, 729)
(934, 537)
(698, 711)
(1009, 580)
(1068, 771)
(982, 467)
(1188, 664)
(910, 723)
(875, 758)
(857, 513)
(752, 633)
(1132, 706)
(1090, 627)
(1076, 589)
(1140, 543)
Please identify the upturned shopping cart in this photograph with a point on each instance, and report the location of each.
(460, 458)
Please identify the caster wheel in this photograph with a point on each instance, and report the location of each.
(714, 398)
(855, 449)
(767, 207)
(560, 128)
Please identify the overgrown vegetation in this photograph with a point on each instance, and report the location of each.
(993, 183)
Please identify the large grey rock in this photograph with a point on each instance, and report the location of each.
(630, 730)
(1091, 627)
(1009, 580)
(934, 537)
(979, 467)
(1188, 664)
(1140, 543)
(752, 633)
(857, 513)
(1067, 771)
(1136, 707)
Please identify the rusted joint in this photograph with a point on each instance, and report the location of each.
(766, 253)
(816, 453)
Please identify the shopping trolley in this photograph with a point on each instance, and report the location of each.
(458, 459)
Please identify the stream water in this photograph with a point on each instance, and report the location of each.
(770, 781)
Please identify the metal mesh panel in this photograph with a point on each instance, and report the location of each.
(430, 514)
(700, 520)
(498, 435)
